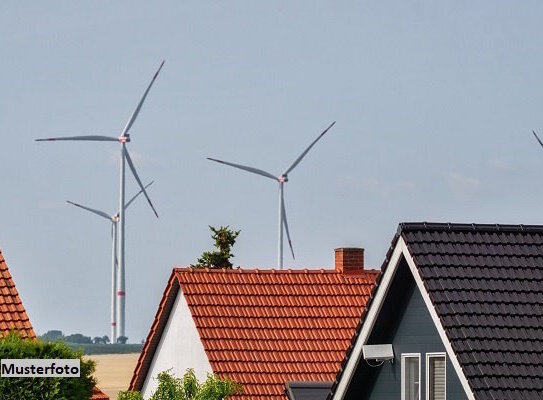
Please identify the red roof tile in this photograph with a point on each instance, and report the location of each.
(263, 328)
(12, 313)
(97, 394)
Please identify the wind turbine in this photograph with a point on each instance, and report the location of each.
(114, 219)
(282, 179)
(123, 139)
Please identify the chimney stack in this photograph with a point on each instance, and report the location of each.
(349, 260)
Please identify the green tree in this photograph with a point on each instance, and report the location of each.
(13, 346)
(224, 239)
(122, 339)
(78, 338)
(188, 388)
(52, 336)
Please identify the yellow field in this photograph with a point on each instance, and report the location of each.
(114, 371)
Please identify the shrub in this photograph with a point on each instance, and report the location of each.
(188, 388)
(13, 346)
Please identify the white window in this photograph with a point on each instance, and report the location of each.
(410, 376)
(435, 376)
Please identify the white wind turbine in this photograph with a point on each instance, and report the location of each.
(282, 179)
(123, 139)
(114, 219)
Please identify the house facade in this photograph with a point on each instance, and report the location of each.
(457, 314)
(260, 328)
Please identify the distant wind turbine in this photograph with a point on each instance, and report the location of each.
(123, 139)
(282, 179)
(114, 219)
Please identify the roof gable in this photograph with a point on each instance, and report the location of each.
(12, 312)
(483, 287)
(486, 284)
(263, 328)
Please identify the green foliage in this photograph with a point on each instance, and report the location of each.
(78, 338)
(112, 348)
(188, 388)
(12, 346)
(224, 240)
(52, 336)
(128, 395)
(100, 340)
(122, 339)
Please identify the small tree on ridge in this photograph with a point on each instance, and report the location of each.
(224, 238)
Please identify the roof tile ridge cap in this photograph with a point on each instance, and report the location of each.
(463, 226)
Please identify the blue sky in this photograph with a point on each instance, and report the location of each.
(434, 103)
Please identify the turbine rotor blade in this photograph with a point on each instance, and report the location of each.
(133, 169)
(91, 138)
(537, 137)
(297, 161)
(136, 195)
(284, 214)
(246, 168)
(92, 210)
(137, 110)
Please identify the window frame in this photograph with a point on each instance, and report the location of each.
(427, 377)
(402, 372)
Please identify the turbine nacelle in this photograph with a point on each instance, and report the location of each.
(124, 138)
(283, 178)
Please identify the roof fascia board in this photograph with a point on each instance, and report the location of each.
(367, 327)
(435, 318)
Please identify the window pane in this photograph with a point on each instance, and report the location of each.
(411, 378)
(436, 387)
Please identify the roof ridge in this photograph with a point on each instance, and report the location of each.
(465, 227)
(240, 270)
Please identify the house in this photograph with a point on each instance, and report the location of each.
(457, 313)
(260, 328)
(13, 315)
(12, 312)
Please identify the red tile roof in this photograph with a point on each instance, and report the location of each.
(263, 328)
(12, 313)
(97, 394)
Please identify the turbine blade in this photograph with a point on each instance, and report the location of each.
(137, 110)
(297, 161)
(136, 195)
(92, 210)
(92, 138)
(537, 137)
(284, 213)
(245, 168)
(131, 165)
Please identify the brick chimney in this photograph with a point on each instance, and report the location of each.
(349, 260)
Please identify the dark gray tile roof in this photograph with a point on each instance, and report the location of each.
(486, 283)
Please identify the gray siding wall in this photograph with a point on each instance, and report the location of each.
(416, 333)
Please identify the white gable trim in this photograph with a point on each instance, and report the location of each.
(437, 322)
(362, 338)
(179, 348)
(374, 310)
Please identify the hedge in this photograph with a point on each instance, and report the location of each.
(13, 346)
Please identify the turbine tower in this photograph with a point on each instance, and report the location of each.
(114, 219)
(123, 140)
(281, 179)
